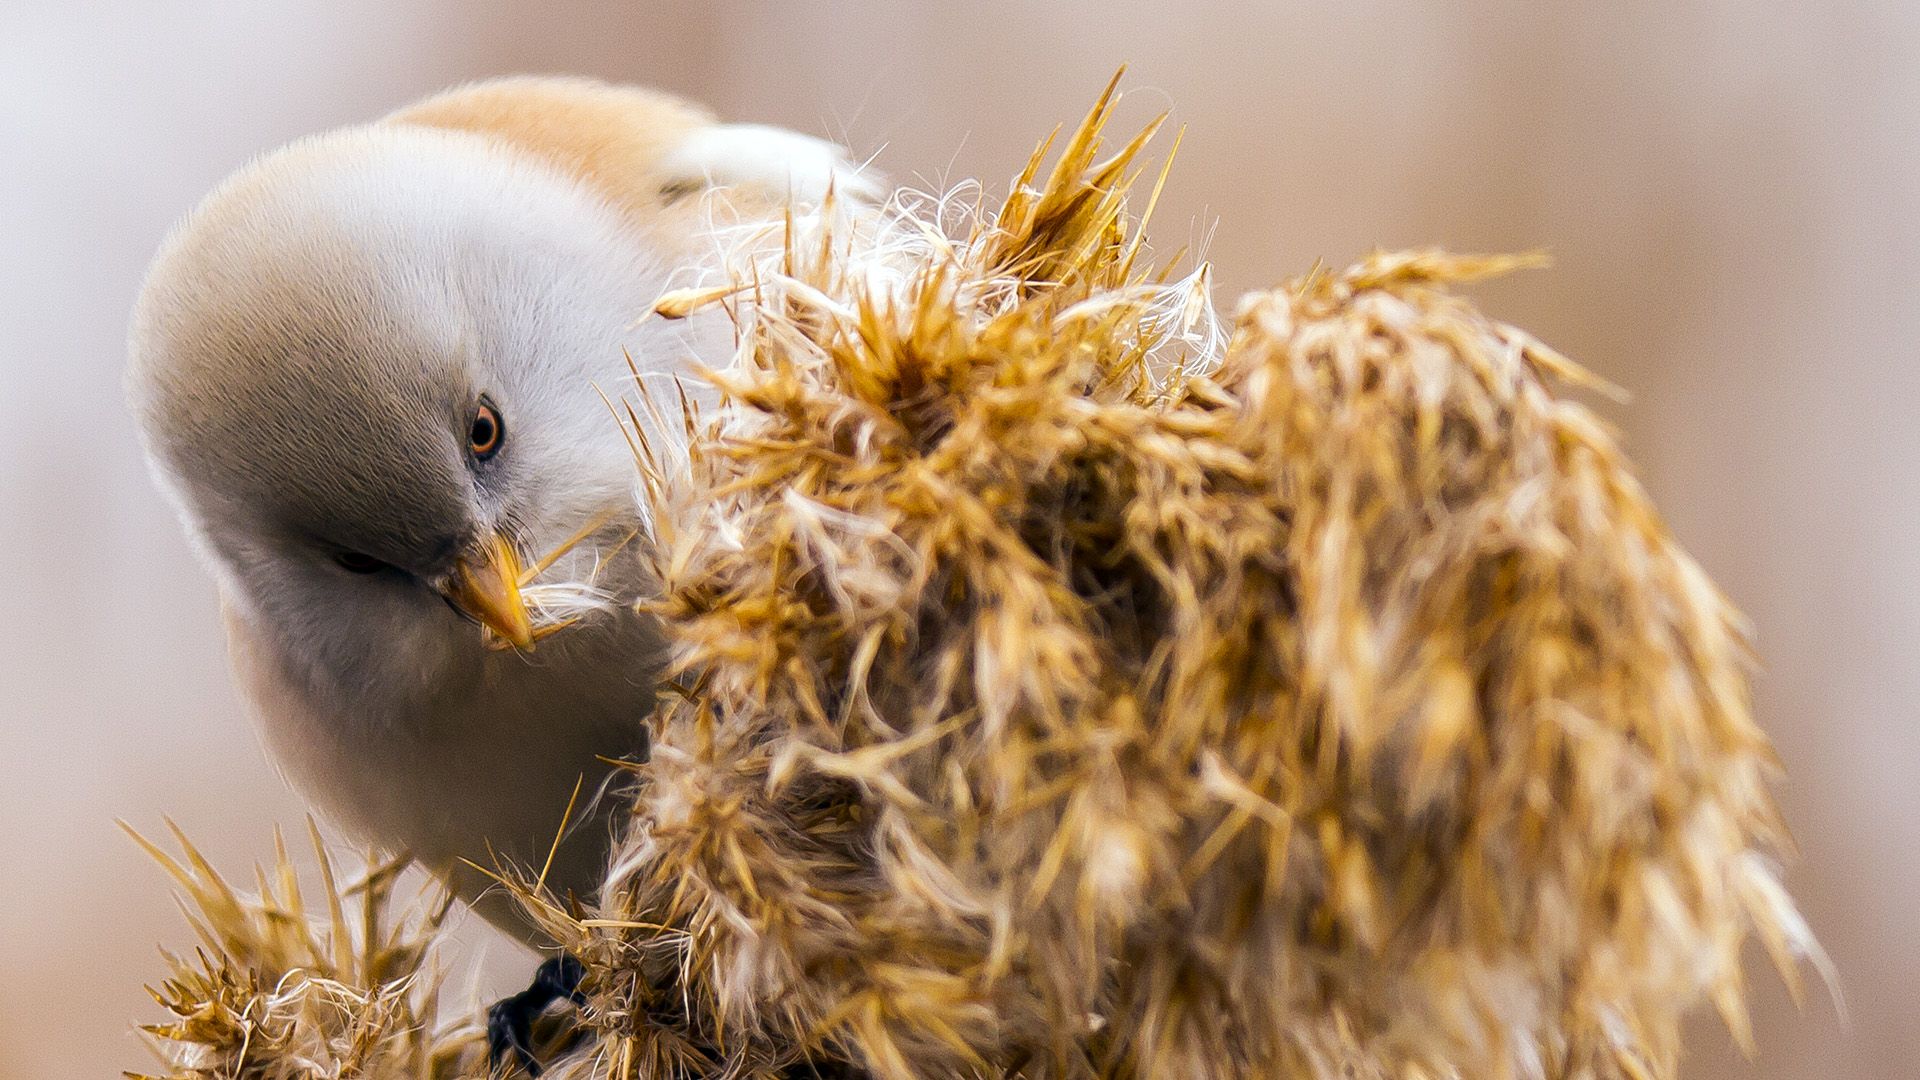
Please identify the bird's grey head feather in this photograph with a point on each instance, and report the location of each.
(312, 342)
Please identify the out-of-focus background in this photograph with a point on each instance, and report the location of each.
(1731, 190)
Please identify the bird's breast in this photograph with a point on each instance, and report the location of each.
(473, 761)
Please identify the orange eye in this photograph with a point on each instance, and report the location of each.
(486, 432)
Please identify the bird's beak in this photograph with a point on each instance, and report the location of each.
(486, 586)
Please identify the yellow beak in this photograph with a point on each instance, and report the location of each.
(487, 587)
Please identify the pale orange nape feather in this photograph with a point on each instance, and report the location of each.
(614, 139)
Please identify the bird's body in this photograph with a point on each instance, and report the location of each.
(368, 369)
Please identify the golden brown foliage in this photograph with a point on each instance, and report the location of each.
(1338, 707)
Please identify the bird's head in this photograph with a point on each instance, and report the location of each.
(366, 369)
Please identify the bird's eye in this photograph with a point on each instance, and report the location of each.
(486, 433)
(358, 563)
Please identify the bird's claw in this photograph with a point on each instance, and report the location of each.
(510, 1020)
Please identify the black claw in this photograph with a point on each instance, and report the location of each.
(510, 1020)
(510, 1027)
(560, 977)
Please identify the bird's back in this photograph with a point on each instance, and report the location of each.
(647, 153)
(614, 139)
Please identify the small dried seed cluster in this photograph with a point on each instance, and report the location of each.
(278, 992)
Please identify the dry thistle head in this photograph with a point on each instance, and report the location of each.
(1077, 697)
(279, 991)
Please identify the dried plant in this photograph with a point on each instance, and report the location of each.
(278, 991)
(1068, 706)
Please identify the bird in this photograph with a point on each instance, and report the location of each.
(370, 371)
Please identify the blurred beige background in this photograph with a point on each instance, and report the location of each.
(1732, 191)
